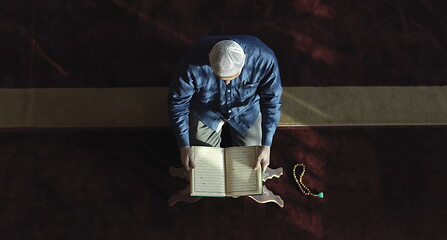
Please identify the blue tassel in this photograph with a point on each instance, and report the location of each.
(320, 195)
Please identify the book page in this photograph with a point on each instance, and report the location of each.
(241, 179)
(208, 177)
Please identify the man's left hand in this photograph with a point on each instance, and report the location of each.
(263, 158)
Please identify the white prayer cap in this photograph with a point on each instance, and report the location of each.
(227, 58)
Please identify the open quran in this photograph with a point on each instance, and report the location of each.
(225, 172)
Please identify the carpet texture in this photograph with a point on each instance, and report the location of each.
(147, 107)
(379, 182)
(117, 43)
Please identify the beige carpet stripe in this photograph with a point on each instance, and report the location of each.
(354, 106)
(146, 107)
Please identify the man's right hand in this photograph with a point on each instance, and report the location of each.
(187, 157)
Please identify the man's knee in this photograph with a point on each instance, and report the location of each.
(201, 135)
(252, 137)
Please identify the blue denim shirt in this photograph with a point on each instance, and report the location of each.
(196, 89)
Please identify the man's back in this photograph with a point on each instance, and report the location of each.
(197, 89)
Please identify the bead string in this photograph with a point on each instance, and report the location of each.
(305, 190)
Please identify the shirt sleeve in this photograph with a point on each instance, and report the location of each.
(180, 94)
(270, 91)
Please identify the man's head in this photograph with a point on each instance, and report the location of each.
(227, 59)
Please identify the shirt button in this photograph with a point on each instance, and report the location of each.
(229, 111)
(229, 98)
(228, 90)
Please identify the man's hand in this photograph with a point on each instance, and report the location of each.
(263, 158)
(187, 157)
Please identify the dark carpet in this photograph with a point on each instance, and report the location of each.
(49, 43)
(380, 182)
